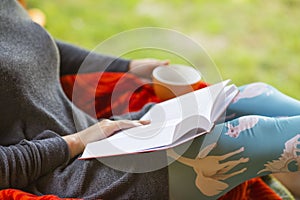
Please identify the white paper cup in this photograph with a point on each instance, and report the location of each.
(175, 80)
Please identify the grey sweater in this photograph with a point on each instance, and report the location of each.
(35, 113)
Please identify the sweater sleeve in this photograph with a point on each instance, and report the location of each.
(26, 161)
(71, 58)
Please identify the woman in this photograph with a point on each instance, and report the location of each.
(40, 141)
(36, 113)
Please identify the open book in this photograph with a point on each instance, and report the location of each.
(173, 122)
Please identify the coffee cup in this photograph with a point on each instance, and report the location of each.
(175, 80)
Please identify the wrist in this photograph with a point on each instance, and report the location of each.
(129, 66)
(75, 144)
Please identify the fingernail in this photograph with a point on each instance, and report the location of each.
(137, 124)
(145, 122)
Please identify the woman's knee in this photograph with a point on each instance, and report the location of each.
(254, 90)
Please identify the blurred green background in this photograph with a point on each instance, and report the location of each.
(249, 40)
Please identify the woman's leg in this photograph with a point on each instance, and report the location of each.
(262, 99)
(248, 147)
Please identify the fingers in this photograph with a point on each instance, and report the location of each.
(164, 62)
(145, 122)
(144, 63)
(156, 63)
(109, 127)
(124, 124)
(104, 129)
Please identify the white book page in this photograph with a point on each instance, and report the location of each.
(164, 118)
(191, 123)
(223, 101)
(199, 102)
(132, 140)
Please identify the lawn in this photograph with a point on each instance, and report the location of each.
(248, 40)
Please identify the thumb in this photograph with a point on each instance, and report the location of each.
(163, 62)
(124, 124)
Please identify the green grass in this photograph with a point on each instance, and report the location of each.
(249, 40)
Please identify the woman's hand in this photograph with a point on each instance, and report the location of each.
(144, 67)
(98, 131)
